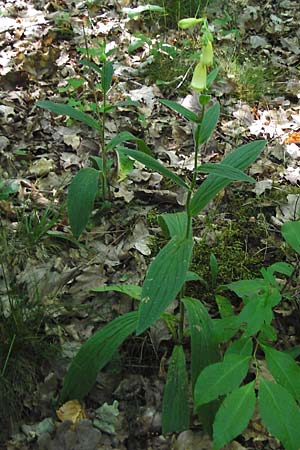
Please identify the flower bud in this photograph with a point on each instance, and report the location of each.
(199, 77)
(207, 54)
(184, 24)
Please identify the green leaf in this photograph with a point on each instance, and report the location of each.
(209, 123)
(224, 306)
(153, 164)
(164, 279)
(204, 350)
(291, 233)
(175, 407)
(175, 223)
(186, 113)
(280, 414)
(135, 12)
(225, 328)
(255, 314)
(247, 288)
(125, 165)
(129, 289)
(66, 110)
(234, 415)
(242, 346)
(106, 76)
(281, 267)
(225, 171)
(240, 159)
(125, 136)
(284, 369)
(94, 355)
(81, 196)
(220, 378)
(212, 76)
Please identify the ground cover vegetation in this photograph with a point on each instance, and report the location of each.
(149, 225)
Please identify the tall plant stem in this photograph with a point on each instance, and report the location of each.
(194, 178)
(101, 119)
(189, 220)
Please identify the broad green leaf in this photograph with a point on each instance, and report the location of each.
(225, 328)
(291, 233)
(255, 314)
(175, 406)
(106, 76)
(234, 415)
(125, 165)
(135, 12)
(81, 196)
(176, 224)
(209, 123)
(66, 110)
(242, 346)
(94, 355)
(186, 113)
(129, 289)
(225, 171)
(240, 159)
(220, 378)
(125, 136)
(284, 369)
(280, 413)
(281, 267)
(224, 306)
(153, 164)
(246, 288)
(192, 276)
(204, 350)
(164, 279)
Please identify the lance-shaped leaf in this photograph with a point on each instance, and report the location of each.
(173, 224)
(67, 110)
(242, 346)
(129, 289)
(234, 415)
(225, 171)
(94, 355)
(209, 122)
(204, 349)
(164, 279)
(291, 233)
(106, 76)
(240, 159)
(175, 407)
(81, 196)
(280, 413)
(220, 378)
(186, 113)
(126, 136)
(284, 369)
(153, 164)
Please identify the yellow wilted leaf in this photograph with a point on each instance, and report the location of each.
(199, 77)
(71, 410)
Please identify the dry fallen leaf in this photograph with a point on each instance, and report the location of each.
(71, 410)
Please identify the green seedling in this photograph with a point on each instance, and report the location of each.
(84, 187)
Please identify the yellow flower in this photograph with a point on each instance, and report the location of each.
(199, 77)
(189, 22)
(207, 54)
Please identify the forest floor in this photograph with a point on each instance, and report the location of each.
(47, 307)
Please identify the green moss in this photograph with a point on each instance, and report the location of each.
(240, 239)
